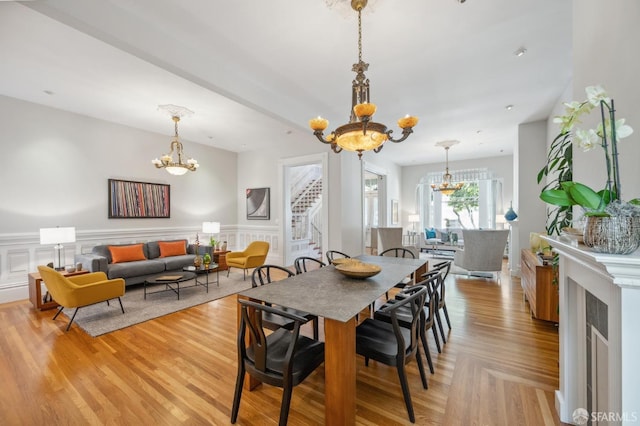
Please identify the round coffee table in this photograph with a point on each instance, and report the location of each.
(171, 281)
(201, 270)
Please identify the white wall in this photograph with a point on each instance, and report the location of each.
(260, 169)
(55, 173)
(605, 52)
(532, 215)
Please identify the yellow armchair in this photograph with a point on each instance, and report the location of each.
(253, 256)
(81, 290)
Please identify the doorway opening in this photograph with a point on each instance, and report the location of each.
(375, 213)
(305, 207)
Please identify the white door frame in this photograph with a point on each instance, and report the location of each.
(285, 213)
(382, 196)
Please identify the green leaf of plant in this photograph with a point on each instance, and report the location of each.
(585, 196)
(557, 197)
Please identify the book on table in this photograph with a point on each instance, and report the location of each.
(169, 278)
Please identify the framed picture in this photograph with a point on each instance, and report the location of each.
(138, 200)
(258, 207)
(394, 212)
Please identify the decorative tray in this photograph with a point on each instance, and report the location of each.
(358, 270)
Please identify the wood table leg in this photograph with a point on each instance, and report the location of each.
(250, 382)
(340, 372)
(417, 277)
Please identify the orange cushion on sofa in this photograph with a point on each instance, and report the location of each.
(121, 254)
(172, 248)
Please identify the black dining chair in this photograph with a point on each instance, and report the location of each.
(284, 358)
(394, 345)
(263, 275)
(426, 319)
(442, 270)
(302, 264)
(335, 254)
(399, 252)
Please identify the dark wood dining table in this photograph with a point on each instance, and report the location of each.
(327, 293)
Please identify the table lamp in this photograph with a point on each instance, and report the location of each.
(211, 228)
(414, 218)
(58, 236)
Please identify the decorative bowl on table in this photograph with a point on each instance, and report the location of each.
(344, 261)
(358, 270)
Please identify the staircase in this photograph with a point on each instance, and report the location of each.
(306, 222)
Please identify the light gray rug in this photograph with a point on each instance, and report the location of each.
(101, 318)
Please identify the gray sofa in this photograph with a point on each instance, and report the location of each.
(137, 271)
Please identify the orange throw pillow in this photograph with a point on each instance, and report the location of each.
(172, 248)
(121, 254)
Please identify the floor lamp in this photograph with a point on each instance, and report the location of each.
(58, 236)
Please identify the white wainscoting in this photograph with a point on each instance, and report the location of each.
(21, 253)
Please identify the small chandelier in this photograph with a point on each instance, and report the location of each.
(361, 133)
(167, 161)
(447, 187)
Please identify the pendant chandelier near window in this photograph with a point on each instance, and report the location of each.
(360, 133)
(447, 187)
(167, 161)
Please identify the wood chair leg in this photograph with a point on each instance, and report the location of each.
(286, 402)
(423, 376)
(439, 321)
(446, 316)
(316, 333)
(238, 394)
(402, 375)
(423, 337)
(435, 337)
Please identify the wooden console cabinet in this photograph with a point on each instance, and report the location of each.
(220, 257)
(537, 283)
(35, 290)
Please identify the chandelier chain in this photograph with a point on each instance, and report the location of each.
(359, 35)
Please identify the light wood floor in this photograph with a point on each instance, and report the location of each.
(499, 367)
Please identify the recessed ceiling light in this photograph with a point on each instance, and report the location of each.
(509, 107)
(520, 52)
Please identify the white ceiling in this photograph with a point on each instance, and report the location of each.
(255, 72)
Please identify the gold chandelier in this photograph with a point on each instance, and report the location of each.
(167, 161)
(361, 133)
(447, 187)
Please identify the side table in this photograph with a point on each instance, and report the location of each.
(35, 290)
(220, 257)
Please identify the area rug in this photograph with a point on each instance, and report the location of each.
(101, 318)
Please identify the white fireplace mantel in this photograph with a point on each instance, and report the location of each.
(614, 377)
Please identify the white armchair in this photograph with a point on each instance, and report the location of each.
(483, 250)
(392, 238)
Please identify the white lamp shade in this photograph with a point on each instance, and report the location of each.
(211, 227)
(57, 235)
(414, 218)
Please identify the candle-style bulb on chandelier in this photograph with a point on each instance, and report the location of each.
(361, 133)
(447, 187)
(167, 161)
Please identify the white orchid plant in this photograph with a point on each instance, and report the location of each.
(565, 192)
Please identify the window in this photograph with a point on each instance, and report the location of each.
(471, 207)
